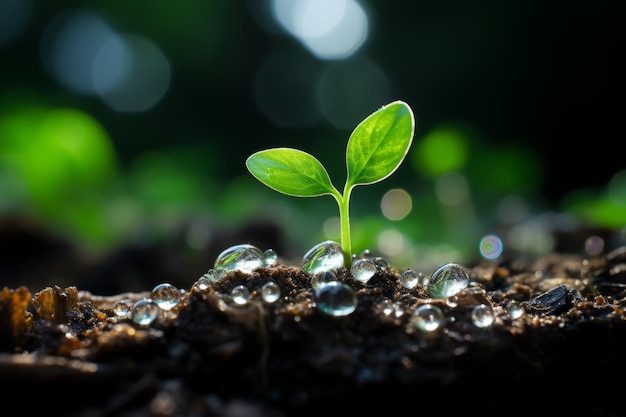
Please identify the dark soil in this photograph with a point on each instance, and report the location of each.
(64, 352)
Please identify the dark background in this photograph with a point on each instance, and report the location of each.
(545, 77)
(548, 74)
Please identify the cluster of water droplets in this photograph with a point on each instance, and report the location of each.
(143, 312)
(330, 295)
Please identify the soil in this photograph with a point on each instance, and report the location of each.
(63, 351)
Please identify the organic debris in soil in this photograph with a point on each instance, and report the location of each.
(74, 355)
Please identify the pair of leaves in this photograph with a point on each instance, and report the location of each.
(375, 149)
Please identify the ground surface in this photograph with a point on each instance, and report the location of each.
(63, 351)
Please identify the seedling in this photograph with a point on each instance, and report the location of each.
(375, 149)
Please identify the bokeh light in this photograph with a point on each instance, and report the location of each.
(329, 29)
(391, 243)
(452, 189)
(594, 245)
(442, 150)
(396, 204)
(85, 54)
(490, 246)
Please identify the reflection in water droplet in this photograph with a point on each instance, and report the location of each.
(324, 256)
(514, 309)
(363, 270)
(166, 296)
(240, 295)
(242, 257)
(322, 278)
(428, 317)
(203, 283)
(482, 315)
(270, 257)
(121, 309)
(386, 306)
(382, 263)
(336, 299)
(270, 292)
(448, 280)
(452, 301)
(144, 312)
(398, 309)
(409, 278)
(214, 274)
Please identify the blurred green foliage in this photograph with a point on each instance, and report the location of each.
(502, 95)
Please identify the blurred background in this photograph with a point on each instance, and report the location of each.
(124, 129)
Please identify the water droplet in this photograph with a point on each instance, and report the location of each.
(381, 262)
(409, 278)
(323, 257)
(203, 283)
(514, 309)
(322, 278)
(166, 296)
(336, 298)
(452, 301)
(386, 306)
(482, 315)
(240, 295)
(448, 280)
(428, 317)
(144, 312)
(363, 269)
(270, 291)
(214, 274)
(270, 257)
(242, 257)
(121, 309)
(398, 309)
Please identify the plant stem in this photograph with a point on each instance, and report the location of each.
(344, 219)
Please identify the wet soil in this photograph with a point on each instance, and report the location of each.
(63, 350)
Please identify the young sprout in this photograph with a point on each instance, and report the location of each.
(375, 149)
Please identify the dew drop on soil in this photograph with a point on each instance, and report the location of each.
(323, 257)
(383, 263)
(447, 280)
(144, 312)
(240, 295)
(482, 315)
(214, 274)
(363, 269)
(336, 299)
(514, 309)
(121, 309)
(322, 278)
(203, 283)
(270, 257)
(428, 317)
(270, 291)
(242, 257)
(409, 278)
(166, 296)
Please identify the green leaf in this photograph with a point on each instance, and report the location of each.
(291, 172)
(379, 144)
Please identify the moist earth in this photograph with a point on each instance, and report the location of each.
(64, 350)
